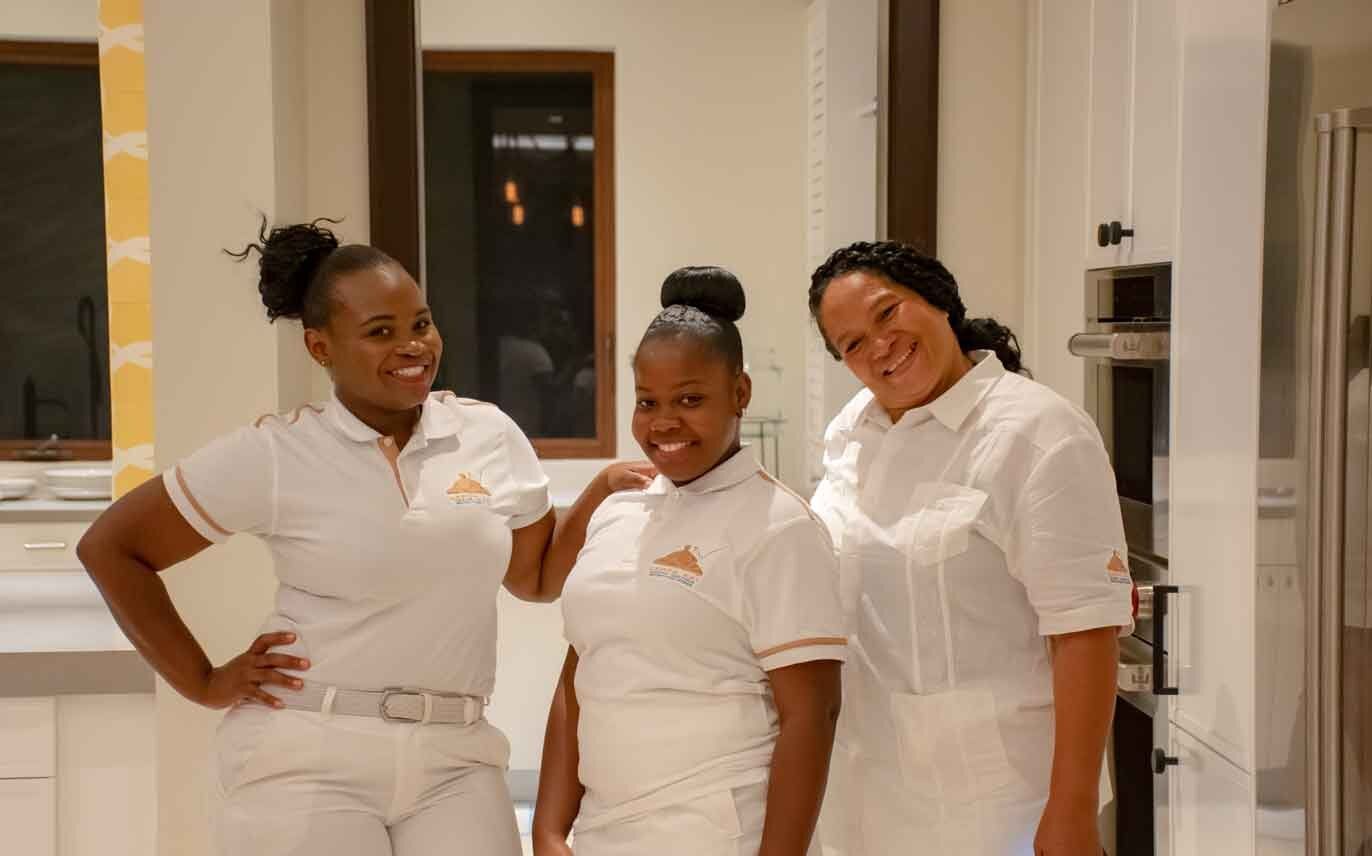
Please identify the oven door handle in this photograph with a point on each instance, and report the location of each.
(1160, 686)
(1141, 346)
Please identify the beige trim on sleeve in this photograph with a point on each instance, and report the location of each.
(195, 503)
(801, 643)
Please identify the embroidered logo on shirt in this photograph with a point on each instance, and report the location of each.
(468, 491)
(1116, 570)
(682, 566)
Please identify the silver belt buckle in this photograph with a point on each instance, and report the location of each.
(398, 691)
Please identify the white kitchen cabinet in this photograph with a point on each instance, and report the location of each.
(28, 816)
(1212, 801)
(28, 762)
(45, 546)
(1132, 132)
(28, 738)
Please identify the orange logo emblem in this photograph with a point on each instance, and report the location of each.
(686, 559)
(1118, 571)
(467, 489)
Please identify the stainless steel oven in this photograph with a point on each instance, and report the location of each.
(1126, 343)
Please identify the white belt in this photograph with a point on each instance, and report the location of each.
(394, 704)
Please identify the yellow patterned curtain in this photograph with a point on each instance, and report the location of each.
(124, 114)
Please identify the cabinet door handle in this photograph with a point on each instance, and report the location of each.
(45, 545)
(1161, 761)
(1110, 234)
(1160, 593)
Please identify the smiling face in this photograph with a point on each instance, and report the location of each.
(380, 342)
(689, 403)
(900, 346)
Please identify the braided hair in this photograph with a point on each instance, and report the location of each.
(705, 303)
(298, 265)
(926, 276)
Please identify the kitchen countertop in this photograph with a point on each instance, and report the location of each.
(43, 673)
(50, 510)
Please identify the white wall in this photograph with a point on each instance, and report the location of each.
(981, 139)
(50, 20)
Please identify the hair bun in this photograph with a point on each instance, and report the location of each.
(713, 290)
(289, 258)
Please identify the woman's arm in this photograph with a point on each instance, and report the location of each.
(559, 789)
(543, 554)
(807, 697)
(1084, 667)
(123, 551)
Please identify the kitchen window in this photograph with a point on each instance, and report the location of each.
(519, 237)
(54, 328)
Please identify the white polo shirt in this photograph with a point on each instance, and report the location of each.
(968, 531)
(389, 564)
(679, 604)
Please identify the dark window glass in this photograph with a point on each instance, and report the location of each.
(509, 164)
(54, 330)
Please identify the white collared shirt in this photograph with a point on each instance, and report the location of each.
(389, 563)
(680, 603)
(968, 531)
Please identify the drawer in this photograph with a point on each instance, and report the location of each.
(40, 546)
(28, 738)
(28, 816)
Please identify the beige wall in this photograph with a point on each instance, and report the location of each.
(54, 20)
(981, 201)
(232, 138)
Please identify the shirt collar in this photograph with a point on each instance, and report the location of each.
(957, 403)
(736, 469)
(437, 418)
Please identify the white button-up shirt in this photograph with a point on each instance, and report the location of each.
(389, 561)
(967, 532)
(680, 603)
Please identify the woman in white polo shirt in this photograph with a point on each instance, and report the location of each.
(982, 560)
(696, 709)
(393, 516)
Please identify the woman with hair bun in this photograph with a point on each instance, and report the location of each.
(695, 713)
(982, 561)
(393, 515)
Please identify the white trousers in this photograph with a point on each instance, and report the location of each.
(300, 783)
(725, 823)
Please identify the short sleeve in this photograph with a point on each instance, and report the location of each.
(790, 597)
(228, 486)
(528, 484)
(1066, 542)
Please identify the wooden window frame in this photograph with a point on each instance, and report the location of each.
(912, 123)
(600, 65)
(61, 55)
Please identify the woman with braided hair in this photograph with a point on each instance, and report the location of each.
(982, 565)
(393, 515)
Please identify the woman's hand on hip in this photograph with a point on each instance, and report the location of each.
(244, 677)
(1067, 831)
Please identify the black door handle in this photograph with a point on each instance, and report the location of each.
(1161, 761)
(1160, 593)
(1110, 234)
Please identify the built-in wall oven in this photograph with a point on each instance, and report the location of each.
(1126, 344)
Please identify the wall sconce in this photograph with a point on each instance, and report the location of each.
(517, 215)
(511, 192)
(578, 216)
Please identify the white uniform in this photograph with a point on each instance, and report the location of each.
(967, 532)
(680, 603)
(389, 564)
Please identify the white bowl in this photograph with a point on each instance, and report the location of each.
(89, 478)
(81, 492)
(16, 488)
